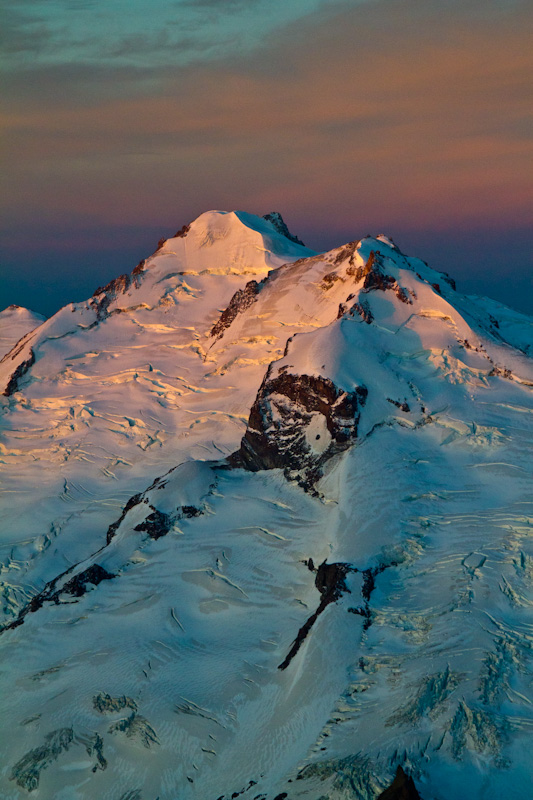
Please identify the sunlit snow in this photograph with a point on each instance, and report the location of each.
(153, 583)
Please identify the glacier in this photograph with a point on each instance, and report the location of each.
(267, 529)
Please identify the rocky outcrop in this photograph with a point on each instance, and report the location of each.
(77, 586)
(156, 524)
(375, 278)
(21, 370)
(241, 300)
(331, 583)
(132, 502)
(297, 423)
(105, 704)
(137, 728)
(27, 772)
(279, 223)
(104, 295)
(402, 788)
(181, 234)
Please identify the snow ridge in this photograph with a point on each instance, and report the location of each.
(330, 595)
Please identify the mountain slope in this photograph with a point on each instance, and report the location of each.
(16, 322)
(109, 393)
(346, 593)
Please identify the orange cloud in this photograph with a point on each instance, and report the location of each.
(395, 111)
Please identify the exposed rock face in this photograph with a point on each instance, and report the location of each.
(363, 309)
(241, 300)
(27, 771)
(104, 295)
(136, 727)
(19, 373)
(278, 222)
(106, 704)
(297, 423)
(182, 233)
(132, 502)
(156, 524)
(75, 587)
(402, 788)
(331, 583)
(376, 278)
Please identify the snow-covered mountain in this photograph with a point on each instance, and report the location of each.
(16, 322)
(266, 530)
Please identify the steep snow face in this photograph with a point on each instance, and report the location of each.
(16, 322)
(113, 391)
(348, 592)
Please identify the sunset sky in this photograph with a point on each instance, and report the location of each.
(125, 119)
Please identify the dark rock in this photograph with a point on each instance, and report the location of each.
(136, 727)
(363, 611)
(284, 407)
(17, 349)
(403, 295)
(106, 704)
(278, 222)
(139, 269)
(96, 747)
(343, 308)
(402, 788)
(182, 233)
(77, 586)
(375, 278)
(331, 583)
(369, 584)
(190, 511)
(449, 280)
(133, 501)
(346, 253)
(26, 772)
(21, 370)
(363, 309)
(241, 300)
(329, 279)
(404, 406)
(156, 524)
(369, 581)
(504, 373)
(330, 580)
(104, 295)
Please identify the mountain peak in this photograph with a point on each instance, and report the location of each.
(234, 242)
(279, 224)
(16, 322)
(340, 520)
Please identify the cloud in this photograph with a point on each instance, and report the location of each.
(228, 7)
(389, 113)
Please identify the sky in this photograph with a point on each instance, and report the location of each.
(122, 120)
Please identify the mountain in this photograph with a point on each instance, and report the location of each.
(16, 322)
(279, 538)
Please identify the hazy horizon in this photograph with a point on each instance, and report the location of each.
(123, 121)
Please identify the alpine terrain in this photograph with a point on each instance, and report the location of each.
(267, 530)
